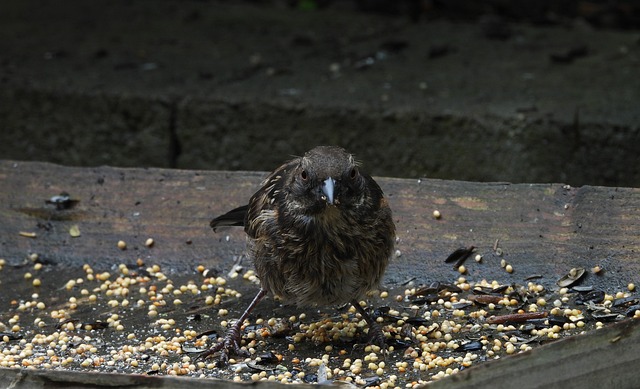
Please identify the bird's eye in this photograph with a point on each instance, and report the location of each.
(354, 173)
(304, 175)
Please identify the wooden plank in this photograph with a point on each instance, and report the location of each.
(600, 359)
(543, 229)
(33, 379)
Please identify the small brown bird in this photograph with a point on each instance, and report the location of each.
(320, 232)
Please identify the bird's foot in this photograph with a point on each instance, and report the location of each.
(376, 334)
(377, 337)
(229, 345)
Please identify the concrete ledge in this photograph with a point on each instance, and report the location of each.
(223, 85)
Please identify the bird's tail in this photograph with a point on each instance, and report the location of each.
(235, 217)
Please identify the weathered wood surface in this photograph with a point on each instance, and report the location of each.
(605, 358)
(541, 229)
(32, 379)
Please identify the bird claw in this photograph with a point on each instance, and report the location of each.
(230, 345)
(376, 336)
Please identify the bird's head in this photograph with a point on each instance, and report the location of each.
(326, 178)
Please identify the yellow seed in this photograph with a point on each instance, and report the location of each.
(74, 231)
(36, 282)
(149, 242)
(436, 214)
(122, 245)
(509, 268)
(462, 269)
(631, 287)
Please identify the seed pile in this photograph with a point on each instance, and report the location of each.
(139, 318)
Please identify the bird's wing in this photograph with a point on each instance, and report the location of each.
(261, 202)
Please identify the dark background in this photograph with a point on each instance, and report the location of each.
(527, 91)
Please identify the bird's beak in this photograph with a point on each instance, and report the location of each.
(328, 187)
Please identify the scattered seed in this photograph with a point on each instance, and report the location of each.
(572, 277)
(74, 231)
(516, 317)
(485, 299)
(460, 255)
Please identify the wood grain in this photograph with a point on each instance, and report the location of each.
(543, 229)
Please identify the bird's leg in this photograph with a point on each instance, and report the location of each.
(376, 334)
(230, 344)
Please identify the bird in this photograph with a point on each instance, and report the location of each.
(320, 232)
